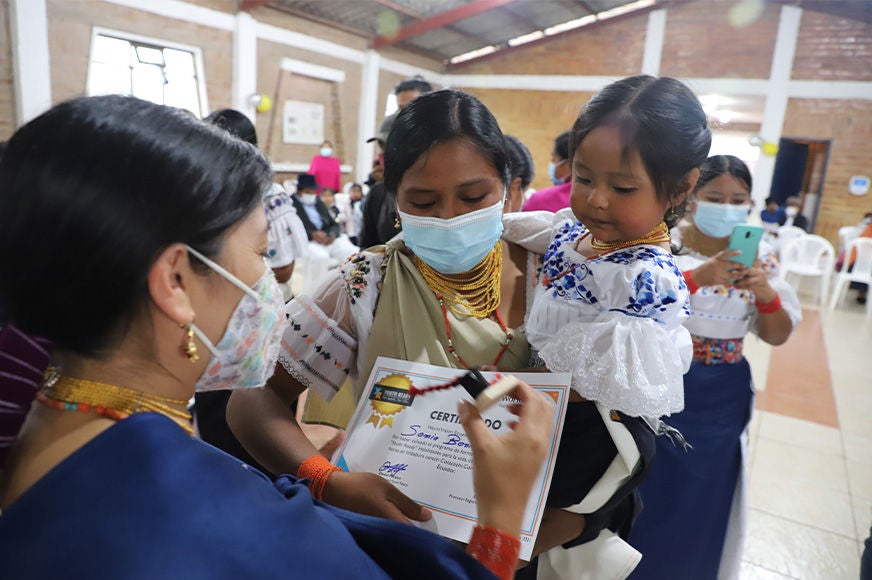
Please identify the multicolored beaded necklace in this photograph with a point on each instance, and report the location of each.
(111, 401)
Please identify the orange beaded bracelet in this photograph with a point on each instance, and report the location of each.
(316, 469)
(770, 307)
(496, 550)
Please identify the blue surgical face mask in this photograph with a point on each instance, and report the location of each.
(717, 220)
(454, 245)
(326, 151)
(552, 169)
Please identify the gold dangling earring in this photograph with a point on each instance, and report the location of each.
(189, 347)
(397, 223)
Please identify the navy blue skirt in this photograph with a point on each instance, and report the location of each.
(687, 495)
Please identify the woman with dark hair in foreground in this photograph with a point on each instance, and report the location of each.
(132, 237)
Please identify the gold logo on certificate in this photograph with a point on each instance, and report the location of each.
(389, 397)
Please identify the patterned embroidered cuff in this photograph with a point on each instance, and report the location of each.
(315, 351)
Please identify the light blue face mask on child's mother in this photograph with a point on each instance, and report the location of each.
(454, 245)
(717, 220)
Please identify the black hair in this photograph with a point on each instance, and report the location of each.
(2, 148)
(660, 118)
(769, 200)
(235, 123)
(521, 161)
(415, 83)
(718, 165)
(561, 145)
(92, 191)
(439, 117)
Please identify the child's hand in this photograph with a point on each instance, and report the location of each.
(720, 270)
(755, 280)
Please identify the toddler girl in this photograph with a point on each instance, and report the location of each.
(611, 302)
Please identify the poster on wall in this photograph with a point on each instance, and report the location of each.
(303, 123)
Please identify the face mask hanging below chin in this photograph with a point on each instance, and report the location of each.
(247, 353)
(457, 244)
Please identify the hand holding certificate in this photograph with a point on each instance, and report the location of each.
(425, 446)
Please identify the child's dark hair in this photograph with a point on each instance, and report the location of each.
(660, 118)
(235, 123)
(415, 83)
(92, 191)
(561, 145)
(718, 165)
(439, 117)
(521, 161)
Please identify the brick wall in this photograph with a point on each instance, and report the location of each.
(283, 86)
(228, 6)
(612, 48)
(536, 118)
(7, 88)
(701, 42)
(848, 124)
(69, 31)
(833, 48)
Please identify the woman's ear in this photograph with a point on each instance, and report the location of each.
(688, 186)
(168, 282)
(515, 197)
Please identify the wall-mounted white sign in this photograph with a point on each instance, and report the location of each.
(858, 185)
(303, 123)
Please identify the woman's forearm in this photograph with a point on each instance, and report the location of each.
(264, 423)
(774, 328)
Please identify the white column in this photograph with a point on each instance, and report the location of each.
(654, 36)
(244, 64)
(30, 58)
(776, 99)
(366, 121)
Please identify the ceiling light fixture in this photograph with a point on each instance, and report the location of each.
(473, 54)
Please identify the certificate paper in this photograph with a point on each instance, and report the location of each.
(419, 445)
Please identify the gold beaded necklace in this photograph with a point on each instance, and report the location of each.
(658, 235)
(114, 402)
(476, 293)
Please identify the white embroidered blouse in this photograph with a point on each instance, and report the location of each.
(614, 321)
(723, 312)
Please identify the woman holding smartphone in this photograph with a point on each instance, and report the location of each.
(690, 493)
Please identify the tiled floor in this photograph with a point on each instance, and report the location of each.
(811, 449)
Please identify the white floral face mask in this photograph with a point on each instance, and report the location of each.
(246, 355)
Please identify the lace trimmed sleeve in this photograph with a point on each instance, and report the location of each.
(327, 330)
(632, 354)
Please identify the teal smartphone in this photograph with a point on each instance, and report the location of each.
(745, 239)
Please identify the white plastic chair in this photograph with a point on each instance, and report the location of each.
(809, 256)
(860, 272)
(786, 234)
(847, 235)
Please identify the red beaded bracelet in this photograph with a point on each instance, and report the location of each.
(496, 550)
(316, 469)
(770, 307)
(692, 287)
